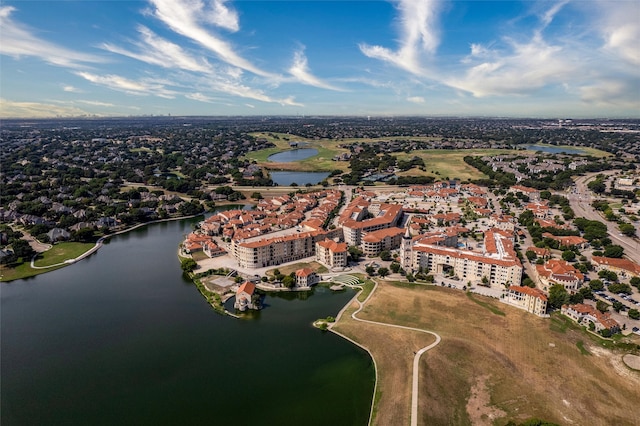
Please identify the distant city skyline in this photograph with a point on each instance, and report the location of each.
(564, 59)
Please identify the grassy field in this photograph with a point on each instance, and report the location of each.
(287, 269)
(491, 368)
(57, 254)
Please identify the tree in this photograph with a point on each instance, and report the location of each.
(634, 314)
(531, 255)
(596, 285)
(256, 196)
(558, 296)
(288, 281)
(355, 253)
(627, 229)
(568, 255)
(620, 288)
(613, 251)
(370, 270)
(395, 267)
(610, 275)
(618, 306)
(635, 281)
(22, 249)
(383, 272)
(385, 255)
(602, 306)
(188, 265)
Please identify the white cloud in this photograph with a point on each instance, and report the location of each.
(71, 89)
(14, 109)
(18, 41)
(300, 70)
(416, 99)
(158, 51)
(96, 103)
(419, 36)
(527, 67)
(620, 28)
(199, 97)
(185, 17)
(140, 87)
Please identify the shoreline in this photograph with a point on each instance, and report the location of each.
(97, 246)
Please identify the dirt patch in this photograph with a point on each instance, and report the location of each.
(632, 361)
(479, 405)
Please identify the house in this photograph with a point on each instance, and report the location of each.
(625, 268)
(530, 299)
(585, 314)
(244, 297)
(568, 241)
(544, 253)
(532, 193)
(306, 277)
(58, 234)
(556, 271)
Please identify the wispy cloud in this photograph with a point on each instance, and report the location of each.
(96, 103)
(71, 89)
(620, 28)
(186, 17)
(14, 109)
(418, 36)
(17, 41)
(416, 99)
(300, 70)
(158, 51)
(139, 87)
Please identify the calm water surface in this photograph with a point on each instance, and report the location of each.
(286, 178)
(122, 338)
(553, 149)
(293, 155)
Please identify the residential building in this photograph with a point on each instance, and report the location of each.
(556, 271)
(244, 296)
(625, 268)
(306, 277)
(331, 253)
(585, 314)
(384, 239)
(530, 299)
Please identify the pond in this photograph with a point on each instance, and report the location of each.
(293, 155)
(551, 149)
(286, 178)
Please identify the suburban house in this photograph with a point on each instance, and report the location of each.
(585, 314)
(306, 277)
(58, 234)
(625, 268)
(568, 241)
(530, 299)
(532, 193)
(244, 297)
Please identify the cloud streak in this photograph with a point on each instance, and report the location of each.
(300, 70)
(418, 36)
(17, 41)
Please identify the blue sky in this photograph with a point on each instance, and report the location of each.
(560, 59)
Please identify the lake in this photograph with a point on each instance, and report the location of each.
(286, 178)
(551, 149)
(293, 155)
(124, 338)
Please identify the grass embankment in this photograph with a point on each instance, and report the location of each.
(491, 368)
(287, 269)
(57, 254)
(212, 298)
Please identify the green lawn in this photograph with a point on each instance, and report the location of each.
(57, 254)
(62, 252)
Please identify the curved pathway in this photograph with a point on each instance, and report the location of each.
(416, 358)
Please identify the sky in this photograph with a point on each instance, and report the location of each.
(552, 59)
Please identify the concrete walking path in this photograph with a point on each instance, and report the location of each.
(416, 358)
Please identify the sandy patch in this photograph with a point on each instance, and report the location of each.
(479, 404)
(633, 361)
(616, 361)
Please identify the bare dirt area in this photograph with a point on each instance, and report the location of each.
(511, 367)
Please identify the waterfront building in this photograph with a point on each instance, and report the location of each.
(244, 296)
(306, 277)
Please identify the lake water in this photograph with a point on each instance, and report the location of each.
(553, 149)
(123, 338)
(293, 155)
(286, 178)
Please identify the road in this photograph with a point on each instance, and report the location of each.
(580, 202)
